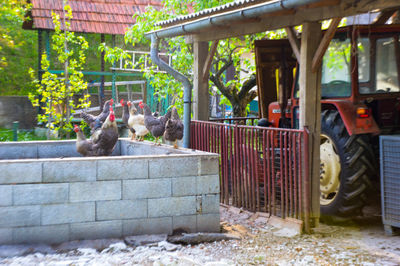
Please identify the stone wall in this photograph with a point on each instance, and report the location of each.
(63, 199)
(17, 108)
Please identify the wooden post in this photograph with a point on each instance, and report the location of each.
(310, 110)
(40, 71)
(200, 85)
(113, 92)
(101, 91)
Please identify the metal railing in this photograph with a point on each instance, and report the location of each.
(261, 169)
(139, 59)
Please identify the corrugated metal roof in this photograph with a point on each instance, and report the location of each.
(211, 11)
(91, 16)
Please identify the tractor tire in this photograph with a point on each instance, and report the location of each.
(346, 169)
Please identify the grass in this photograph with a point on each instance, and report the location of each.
(23, 135)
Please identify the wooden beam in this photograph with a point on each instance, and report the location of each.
(294, 42)
(345, 8)
(383, 17)
(310, 115)
(210, 56)
(319, 54)
(200, 86)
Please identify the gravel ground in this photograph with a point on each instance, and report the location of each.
(358, 242)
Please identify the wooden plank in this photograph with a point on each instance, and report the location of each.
(294, 42)
(200, 86)
(210, 56)
(319, 54)
(310, 111)
(383, 17)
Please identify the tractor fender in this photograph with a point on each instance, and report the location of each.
(348, 112)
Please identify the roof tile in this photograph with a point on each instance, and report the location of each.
(96, 16)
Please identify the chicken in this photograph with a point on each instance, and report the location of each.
(156, 126)
(126, 115)
(83, 146)
(107, 136)
(136, 122)
(95, 122)
(174, 128)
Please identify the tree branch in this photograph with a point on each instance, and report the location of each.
(221, 87)
(247, 86)
(223, 68)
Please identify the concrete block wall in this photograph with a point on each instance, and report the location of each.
(57, 200)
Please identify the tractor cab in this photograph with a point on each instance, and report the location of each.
(360, 99)
(360, 78)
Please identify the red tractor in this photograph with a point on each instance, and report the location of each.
(360, 99)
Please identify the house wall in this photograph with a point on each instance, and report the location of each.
(63, 199)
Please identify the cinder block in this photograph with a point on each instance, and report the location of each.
(209, 165)
(122, 169)
(146, 188)
(18, 150)
(123, 146)
(93, 191)
(186, 223)
(172, 206)
(69, 171)
(121, 209)
(147, 226)
(5, 195)
(96, 230)
(173, 167)
(41, 234)
(6, 236)
(57, 149)
(210, 203)
(184, 186)
(208, 184)
(208, 223)
(117, 149)
(20, 172)
(19, 216)
(68, 213)
(40, 194)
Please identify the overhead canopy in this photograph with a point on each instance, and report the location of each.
(252, 16)
(89, 16)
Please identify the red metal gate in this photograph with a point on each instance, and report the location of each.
(261, 169)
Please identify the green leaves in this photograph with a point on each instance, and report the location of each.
(57, 92)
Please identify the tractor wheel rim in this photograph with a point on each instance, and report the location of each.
(329, 170)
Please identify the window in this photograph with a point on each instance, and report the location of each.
(363, 55)
(386, 67)
(336, 70)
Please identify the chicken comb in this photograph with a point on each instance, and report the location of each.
(111, 101)
(122, 102)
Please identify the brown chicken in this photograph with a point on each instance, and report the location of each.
(156, 126)
(95, 122)
(106, 137)
(174, 128)
(83, 146)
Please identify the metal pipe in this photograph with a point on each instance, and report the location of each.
(15, 130)
(226, 18)
(187, 86)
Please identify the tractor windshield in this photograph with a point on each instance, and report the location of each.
(335, 80)
(385, 79)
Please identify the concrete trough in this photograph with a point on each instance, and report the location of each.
(50, 194)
